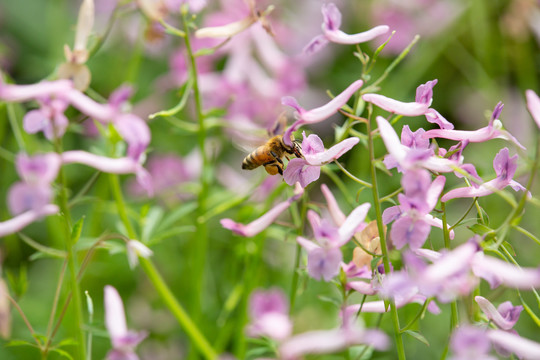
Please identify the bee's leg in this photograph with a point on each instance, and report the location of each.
(276, 157)
(273, 167)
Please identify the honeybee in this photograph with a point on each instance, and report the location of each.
(269, 155)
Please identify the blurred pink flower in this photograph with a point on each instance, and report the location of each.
(24, 219)
(124, 165)
(330, 341)
(169, 174)
(260, 224)
(123, 340)
(409, 18)
(269, 313)
(533, 104)
(49, 118)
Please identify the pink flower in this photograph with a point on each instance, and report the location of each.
(505, 168)
(264, 221)
(331, 31)
(269, 313)
(470, 343)
(18, 93)
(513, 343)
(409, 158)
(35, 191)
(24, 219)
(412, 219)
(424, 97)
(125, 165)
(49, 118)
(123, 340)
(308, 169)
(324, 255)
(505, 317)
(330, 341)
(318, 114)
(533, 104)
(494, 130)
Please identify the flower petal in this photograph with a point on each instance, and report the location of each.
(533, 104)
(395, 106)
(522, 347)
(115, 317)
(331, 154)
(21, 221)
(339, 37)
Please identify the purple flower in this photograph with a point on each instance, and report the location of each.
(34, 191)
(324, 255)
(494, 130)
(318, 114)
(505, 168)
(331, 32)
(269, 311)
(307, 170)
(412, 219)
(505, 316)
(470, 343)
(123, 340)
(264, 221)
(49, 118)
(497, 272)
(513, 343)
(330, 341)
(409, 158)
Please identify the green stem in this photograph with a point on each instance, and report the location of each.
(15, 126)
(155, 278)
(299, 220)
(72, 258)
(382, 237)
(200, 241)
(177, 310)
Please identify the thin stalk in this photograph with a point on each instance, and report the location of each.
(177, 310)
(159, 284)
(382, 237)
(72, 258)
(25, 319)
(354, 178)
(15, 127)
(299, 223)
(56, 299)
(454, 320)
(200, 240)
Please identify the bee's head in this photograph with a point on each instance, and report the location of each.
(297, 148)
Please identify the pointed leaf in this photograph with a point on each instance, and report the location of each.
(417, 336)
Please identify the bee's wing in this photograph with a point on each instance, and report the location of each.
(278, 128)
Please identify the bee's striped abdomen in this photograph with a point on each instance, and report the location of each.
(257, 158)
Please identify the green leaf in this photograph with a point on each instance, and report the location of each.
(48, 251)
(483, 230)
(66, 342)
(177, 214)
(151, 222)
(21, 343)
(76, 231)
(19, 284)
(63, 353)
(417, 336)
(330, 300)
